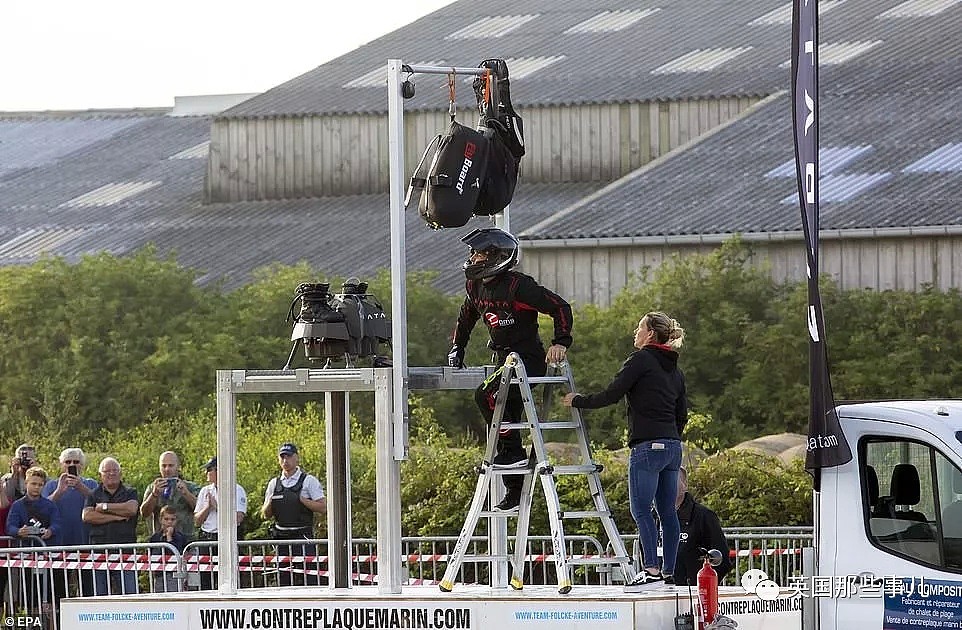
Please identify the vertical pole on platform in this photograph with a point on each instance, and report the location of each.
(338, 438)
(226, 484)
(399, 339)
(388, 482)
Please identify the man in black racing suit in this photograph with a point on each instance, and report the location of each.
(509, 303)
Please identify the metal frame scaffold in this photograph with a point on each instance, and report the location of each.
(390, 385)
(395, 103)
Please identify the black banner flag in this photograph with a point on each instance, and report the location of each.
(826, 443)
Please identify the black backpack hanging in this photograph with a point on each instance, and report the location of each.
(504, 129)
(451, 183)
(468, 171)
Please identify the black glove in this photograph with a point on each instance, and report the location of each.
(456, 357)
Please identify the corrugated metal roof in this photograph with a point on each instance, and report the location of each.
(881, 151)
(602, 65)
(30, 142)
(225, 242)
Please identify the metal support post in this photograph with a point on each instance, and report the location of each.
(226, 485)
(399, 339)
(338, 437)
(388, 480)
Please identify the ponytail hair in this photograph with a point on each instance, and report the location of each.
(666, 330)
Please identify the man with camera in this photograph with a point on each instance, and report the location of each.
(170, 489)
(14, 483)
(69, 493)
(32, 517)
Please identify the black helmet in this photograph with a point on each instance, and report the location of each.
(502, 249)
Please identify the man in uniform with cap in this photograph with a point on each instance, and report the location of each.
(205, 517)
(292, 499)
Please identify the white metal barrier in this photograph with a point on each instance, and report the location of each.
(775, 550)
(39, 576)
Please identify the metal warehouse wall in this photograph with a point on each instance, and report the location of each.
(595, 275)
(315, 156)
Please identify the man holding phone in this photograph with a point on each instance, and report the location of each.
(170, 489)
(13, 484)
(69, 492)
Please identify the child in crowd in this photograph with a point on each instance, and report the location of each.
(33, 515)
(165, 581)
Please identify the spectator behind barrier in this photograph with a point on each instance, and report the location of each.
(170, 489)
(14, 482)
(205, 517)
(111, 512)
(165, 581)
(33, 515)
(700, 529)
(69, 492)
(292, 499)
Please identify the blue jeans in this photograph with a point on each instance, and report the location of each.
(115, 582)
(653, 476)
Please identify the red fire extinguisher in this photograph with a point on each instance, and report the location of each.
(707, 593)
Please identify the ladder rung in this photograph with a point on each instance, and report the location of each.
(546, 379)
(494, 470)
(515, 425)
(559, 424)
(499, 514)
(606, 560)
(579, 469)
(586, 514)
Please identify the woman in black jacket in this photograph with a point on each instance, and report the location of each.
(657, 411)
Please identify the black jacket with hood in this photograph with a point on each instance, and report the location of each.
(700, 528)
(655, 390)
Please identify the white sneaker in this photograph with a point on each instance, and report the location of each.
(645, 581)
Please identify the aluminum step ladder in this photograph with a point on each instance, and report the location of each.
(540, 466)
